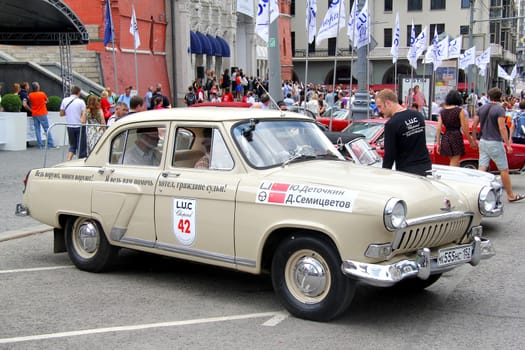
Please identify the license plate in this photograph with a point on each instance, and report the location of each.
(456, 255)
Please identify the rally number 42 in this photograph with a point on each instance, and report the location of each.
(184, 226)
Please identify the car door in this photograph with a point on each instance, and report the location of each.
(124, 194)
(194, 207)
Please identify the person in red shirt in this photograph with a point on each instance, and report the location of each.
(228, 96)
(105, 105)
(37, 102)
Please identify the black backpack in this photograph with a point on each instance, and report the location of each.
(190, 98)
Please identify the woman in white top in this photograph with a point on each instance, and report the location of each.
(313, 104)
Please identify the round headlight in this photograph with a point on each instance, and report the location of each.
(395, 214)
(487, 200)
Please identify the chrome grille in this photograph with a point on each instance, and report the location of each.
(430, 234)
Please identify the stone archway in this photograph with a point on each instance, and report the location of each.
(342, 76)
(389, 75)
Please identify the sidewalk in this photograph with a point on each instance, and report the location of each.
(15, 165)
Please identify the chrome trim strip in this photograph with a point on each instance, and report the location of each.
(245, 262)
(421, 266)
(454, 215)
(186, 251)
(196, 253)
(138, 242)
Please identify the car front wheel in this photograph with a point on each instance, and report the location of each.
(307, 277)
(87, 245)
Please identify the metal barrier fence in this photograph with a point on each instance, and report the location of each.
(83, 138)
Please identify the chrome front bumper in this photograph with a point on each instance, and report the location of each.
(422, 266)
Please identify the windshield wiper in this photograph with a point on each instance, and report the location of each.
(298, 156)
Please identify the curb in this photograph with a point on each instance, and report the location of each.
(24, 232)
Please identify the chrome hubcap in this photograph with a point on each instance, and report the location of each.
(310, 276)
(88, 237)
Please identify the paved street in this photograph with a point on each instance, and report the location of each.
(151, 302)
(15, 165)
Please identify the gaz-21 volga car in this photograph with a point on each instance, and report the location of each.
(262, 192)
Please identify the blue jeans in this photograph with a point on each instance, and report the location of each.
(42, 120)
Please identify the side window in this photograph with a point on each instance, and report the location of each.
(141, 146)
(202, 148)
(221, 158)
(117, 147)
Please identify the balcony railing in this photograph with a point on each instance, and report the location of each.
(324, 53)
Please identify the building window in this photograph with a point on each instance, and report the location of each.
(440, 29)
(417, 29)
(388, 5)
(415, 5)
(465, 4)
(387, 33)
(311, 47)
(438, 4)
(331, 46)
(463, 30)
(292, 8)
(292, 37)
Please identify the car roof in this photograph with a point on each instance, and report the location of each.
(215, 114)
(222, 104)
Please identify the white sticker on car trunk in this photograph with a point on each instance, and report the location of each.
(306, 196)
(184, 220)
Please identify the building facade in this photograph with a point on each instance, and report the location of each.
(453, 17)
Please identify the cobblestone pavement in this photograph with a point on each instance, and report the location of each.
(14, 166)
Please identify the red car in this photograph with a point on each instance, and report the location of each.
(373, 130)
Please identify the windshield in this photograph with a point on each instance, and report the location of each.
(367, 129)
(269, 143)
(361, 152)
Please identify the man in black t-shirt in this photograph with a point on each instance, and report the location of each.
(158, 93)
(24, 97)
(405, 141)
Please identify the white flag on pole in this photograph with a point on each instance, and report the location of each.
(435, 50)
(411, 55)
(394, 50)
(467, 58)
(442, 51)
(483, 71)
(483, 59)
(454, 47)
(263, 20)
(514, 73)
(311, 15)
(134, 28)
(362, 27)
(503, 74)
(421, 42)
(429, 55)
(351, 22)
(329, 28)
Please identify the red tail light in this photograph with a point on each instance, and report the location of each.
(25, 181)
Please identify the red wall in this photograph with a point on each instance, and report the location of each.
(151, 19)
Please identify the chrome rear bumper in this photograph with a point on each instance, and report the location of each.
(422, 266)
(21, 210)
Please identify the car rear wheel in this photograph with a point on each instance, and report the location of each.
(471, 164)
(307, 277)
(87, 245)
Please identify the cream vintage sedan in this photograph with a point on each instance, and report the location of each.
(262, 192)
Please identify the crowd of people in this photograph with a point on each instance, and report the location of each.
(501, 118)
(501, 122)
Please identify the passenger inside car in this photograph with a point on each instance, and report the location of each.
(204, 161)
(144, 150)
